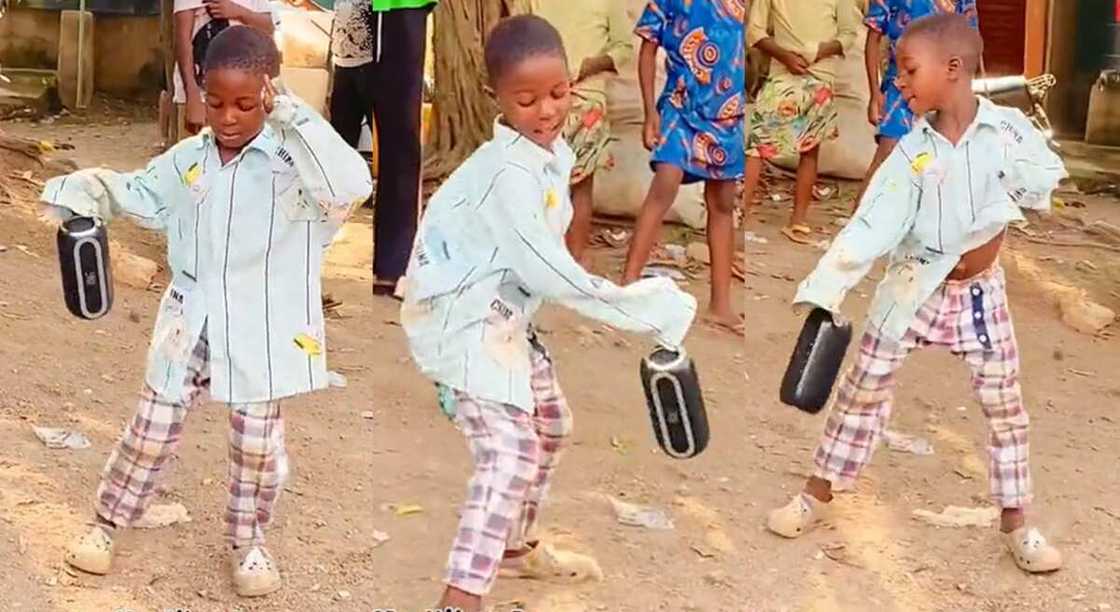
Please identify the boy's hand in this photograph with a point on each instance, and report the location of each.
(224, 9)
(875, 108)
(54, 216)
(794, 62)
(281, 108)
(651, 132)
(594, 65)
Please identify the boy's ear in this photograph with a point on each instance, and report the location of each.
(955, 66)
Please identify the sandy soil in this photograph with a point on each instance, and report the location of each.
(350, 471)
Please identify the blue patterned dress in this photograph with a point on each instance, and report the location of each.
(890, 18)
(703, 103)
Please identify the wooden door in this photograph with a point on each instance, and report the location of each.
(1003, 24)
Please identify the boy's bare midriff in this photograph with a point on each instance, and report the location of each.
(978, 260)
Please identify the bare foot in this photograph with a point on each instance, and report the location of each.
(728, 322)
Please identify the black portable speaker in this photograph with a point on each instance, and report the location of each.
(83, 256)
(676, 405)
(815, 362)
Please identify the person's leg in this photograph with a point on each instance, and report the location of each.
(579, 232)
(662, 193)
(719, 196)
(258, 466)
(750, 182)
(803, 190)
(132, 473)
(397, 88)
(347, 104)
(882, 151)
(506, 453)
(988, 345)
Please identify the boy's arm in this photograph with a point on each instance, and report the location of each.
(647, 70)
(256, 15)
(883, 220)
(145, 196)
(1031, 170)
(184, 57)
(513, 211)
(758, 36)
(335, 177)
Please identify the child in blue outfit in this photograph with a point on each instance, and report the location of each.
(888, 110)
(695, 130)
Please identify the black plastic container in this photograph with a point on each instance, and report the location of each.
(815, 362)
(87, 278)
(676, 405)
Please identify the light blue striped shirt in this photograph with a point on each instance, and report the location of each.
(245, 244)
(490, 250)
(930, 203)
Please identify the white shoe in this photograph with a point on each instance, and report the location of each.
(255, 574)
(1031, 552)
(798, 517)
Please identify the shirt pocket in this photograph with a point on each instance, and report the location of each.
(171, 338)
(291, 198)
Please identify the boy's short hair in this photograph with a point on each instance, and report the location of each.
(243, 48)
(953, 34)
(515, 39)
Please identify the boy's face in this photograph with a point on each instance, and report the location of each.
(927, 75)
(535, 97)
(235, 106)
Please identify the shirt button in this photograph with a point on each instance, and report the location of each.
(976, 291)
(977, 315)
(984, 338)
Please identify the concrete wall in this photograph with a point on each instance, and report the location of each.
(128, 57)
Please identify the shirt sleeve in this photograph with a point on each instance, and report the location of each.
(653, 22)
(513, 211)
(335, 177)
(878, 15)
(847, 25)
(758, 22)
(886, 215)
(144, 196)
(619, 46)
(1031, 170)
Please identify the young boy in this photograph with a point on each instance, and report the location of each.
(887, 109)
(597, 37)
(794, 112)
(247, 206)
(940, 205)
(489, 252)
(695, 131)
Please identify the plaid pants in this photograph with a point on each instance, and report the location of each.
(971, 319)
(514, 455)
(258, 463)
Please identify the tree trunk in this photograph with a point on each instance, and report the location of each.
(462, 112)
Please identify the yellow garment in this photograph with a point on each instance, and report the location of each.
(590, 28)
(802, 26)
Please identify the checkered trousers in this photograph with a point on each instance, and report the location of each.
(514, 455)
(258, 463)
(971, 319)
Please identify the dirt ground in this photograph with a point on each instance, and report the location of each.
(352, 473)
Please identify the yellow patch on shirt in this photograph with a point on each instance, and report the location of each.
(551, 199)
(192, 174)
(309, 345)
(921, 161)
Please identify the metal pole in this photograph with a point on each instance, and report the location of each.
(81, 52)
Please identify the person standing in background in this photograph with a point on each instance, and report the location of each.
(396, 86)
(597, 38)
(352, 56)
(197, 22)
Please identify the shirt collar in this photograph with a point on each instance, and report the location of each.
(265, 141)
(527, 150)
(987, 115)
